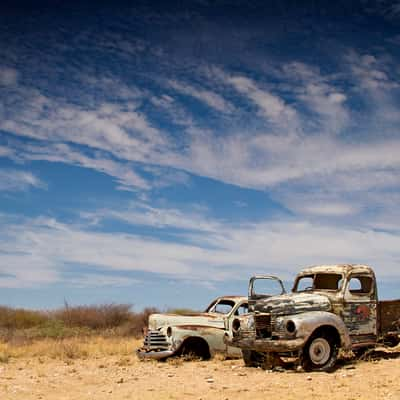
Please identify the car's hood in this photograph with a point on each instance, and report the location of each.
(157, 321)
(293, 303)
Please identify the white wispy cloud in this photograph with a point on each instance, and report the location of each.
(116, 134)
(86, 280)
(319, 95)
(327, 208)
(144, 214)
(6, 151)
(124, 137)
(273, 107)
(116, 128)
(262, 161)
(208, 97)
(370, 72)
(123, 172)
(36, 251)
(12, 180)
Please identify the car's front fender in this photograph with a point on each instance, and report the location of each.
(307, 323)
(213, 336)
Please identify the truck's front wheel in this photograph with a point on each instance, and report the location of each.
(320, 353)
(251, 358)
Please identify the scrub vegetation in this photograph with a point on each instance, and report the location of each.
(71, 332)
(108, 320)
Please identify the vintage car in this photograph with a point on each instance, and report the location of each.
(331, 307)
(194, 334)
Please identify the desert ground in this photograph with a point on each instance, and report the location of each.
(104, 371)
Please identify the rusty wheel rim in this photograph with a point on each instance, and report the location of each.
(320, 351)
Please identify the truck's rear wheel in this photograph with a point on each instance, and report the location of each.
(392, 340)
(320, 353)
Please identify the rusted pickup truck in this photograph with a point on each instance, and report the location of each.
(331, 307)
(197, 334)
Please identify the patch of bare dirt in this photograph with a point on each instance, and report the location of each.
(125, 377)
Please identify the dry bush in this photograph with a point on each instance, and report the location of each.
(22, 326)
(95, 317)
(18, 318)
(136, 324)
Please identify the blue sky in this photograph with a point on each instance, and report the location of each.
(160, 154)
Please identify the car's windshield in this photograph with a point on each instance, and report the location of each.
(320, 281)
(265, 286)
(221, 306)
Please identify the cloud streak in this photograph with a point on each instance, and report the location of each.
(208, 97)
(48, 246)
(12, 180)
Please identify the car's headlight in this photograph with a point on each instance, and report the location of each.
(250, 322)
(290, 327)
(285, 327)
(236, 325)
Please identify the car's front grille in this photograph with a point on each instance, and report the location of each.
(263, 325)
(246, 333)
(155, 340)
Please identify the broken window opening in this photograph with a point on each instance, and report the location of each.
(329, 282)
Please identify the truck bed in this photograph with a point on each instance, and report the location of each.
(389, 316)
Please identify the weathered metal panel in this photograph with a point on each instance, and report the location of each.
(389, 316)
(360, 317)
(293, 303)
(339, 269)
(156, 321)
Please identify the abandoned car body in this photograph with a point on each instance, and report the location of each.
(198, 334)
(330, 307)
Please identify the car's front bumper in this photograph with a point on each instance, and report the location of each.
(154, 355)
(266, 345)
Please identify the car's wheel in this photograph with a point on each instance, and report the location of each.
(392, 340)
(195, 348)
(252, 358)
(320, 353)
(247, 358)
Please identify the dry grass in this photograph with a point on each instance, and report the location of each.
(70, 348)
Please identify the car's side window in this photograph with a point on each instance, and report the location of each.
(223, 307)
(242, 309)
(360, 285)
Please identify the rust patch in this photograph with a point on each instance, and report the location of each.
(197, 327)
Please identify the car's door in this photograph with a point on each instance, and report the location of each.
(360, 307)
(240, 309)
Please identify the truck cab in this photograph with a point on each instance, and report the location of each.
(352, 292)
(330, 307)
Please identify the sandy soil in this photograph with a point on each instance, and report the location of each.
(117, 377)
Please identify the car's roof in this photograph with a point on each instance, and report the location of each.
(337, 268)
(232, 297)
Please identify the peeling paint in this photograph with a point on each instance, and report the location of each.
(341, 298)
